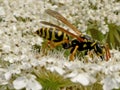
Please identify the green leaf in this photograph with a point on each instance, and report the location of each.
(51, 80)
(94, 32)
(113, 36)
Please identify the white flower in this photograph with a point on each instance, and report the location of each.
(25, 65)
(110, 83)
(56, 69)
(83, 79)
(26, 82)
(8, 75)
(72, 74)
(2, 11)
(12, 69)
(6, 48)
(93, 1)
(33, 85)
(3, 80)
(20, 83)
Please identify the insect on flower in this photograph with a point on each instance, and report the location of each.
(60, 36)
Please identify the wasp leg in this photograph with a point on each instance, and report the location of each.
(90, 53)
(45, 47)
(51, 45)
(48, 45)
(73, 53)
(55, 44)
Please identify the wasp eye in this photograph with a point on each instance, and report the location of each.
(74, 42)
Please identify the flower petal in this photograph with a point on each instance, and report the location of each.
(33, 85)
(20, 83)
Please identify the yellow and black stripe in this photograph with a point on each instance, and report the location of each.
(52, 34)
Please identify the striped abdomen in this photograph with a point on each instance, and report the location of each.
(52, 34)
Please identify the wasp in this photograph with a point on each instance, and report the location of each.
(60, 36)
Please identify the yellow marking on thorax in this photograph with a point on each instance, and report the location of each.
(93, 44)
(84, 45)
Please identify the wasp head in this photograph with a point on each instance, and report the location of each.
(102, 51)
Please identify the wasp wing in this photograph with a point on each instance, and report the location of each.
(62, 19)
(63, 30)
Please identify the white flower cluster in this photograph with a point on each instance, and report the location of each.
(17, 40)
(81, 12)
(20, 18)
(102, 72)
